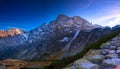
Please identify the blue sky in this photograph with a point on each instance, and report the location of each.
(29, 14)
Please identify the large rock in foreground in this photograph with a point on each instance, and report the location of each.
(83, 64)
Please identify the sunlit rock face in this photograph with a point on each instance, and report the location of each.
(12, 37)
(72, 23)
(10, 32)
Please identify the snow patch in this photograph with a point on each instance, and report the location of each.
(65, 39)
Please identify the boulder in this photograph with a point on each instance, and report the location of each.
(118, 48)
(112, 47)
(118, 51)
(111, 51)
(111, 62)
(104, 51)
(117, 44)
(104, 46)
(85, 64)
(111, 56)
(97, 59)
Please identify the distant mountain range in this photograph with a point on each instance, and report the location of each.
(60, 38)
(16, 36)
(11, 32)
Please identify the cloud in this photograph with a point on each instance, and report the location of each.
(108, 20)
(107, 17)
(116, 21)
(110, 17)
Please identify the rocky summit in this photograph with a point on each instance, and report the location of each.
(107, 57)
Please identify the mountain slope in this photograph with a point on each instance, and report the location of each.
(71, 34)
(106, 57)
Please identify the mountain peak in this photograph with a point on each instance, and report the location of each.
(62, 17)
(76, 21)
(10, 32)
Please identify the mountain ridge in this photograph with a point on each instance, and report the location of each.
(49, 39)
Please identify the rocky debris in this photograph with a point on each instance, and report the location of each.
(104, 51)
(84, 64)
(111, 62)
(118, 51)
(95, 59)
(107, 57)
(111, 51)
(114, 55)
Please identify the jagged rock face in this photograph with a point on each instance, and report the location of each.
(74, 23)
(10, 32)
(50, 39)
(12, 37)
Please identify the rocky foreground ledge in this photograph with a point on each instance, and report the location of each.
(107, 57)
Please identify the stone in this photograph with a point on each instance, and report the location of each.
(104, 47)
(114, 39)
(111, 51)
(104, 51)
(118, 51)
(96, 59)
(112, 47)
(111, 56)
(111, 62)
(117, 41)
(84, 64)
(118, 48)
(117, 44)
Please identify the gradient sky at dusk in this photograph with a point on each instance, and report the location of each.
(28, 14)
